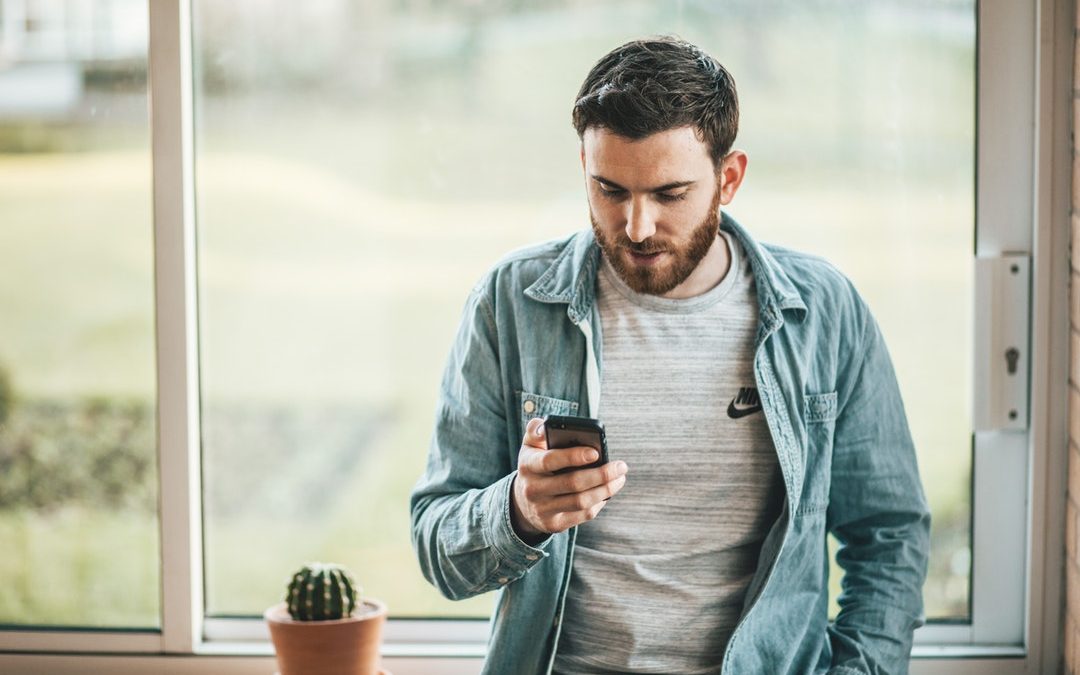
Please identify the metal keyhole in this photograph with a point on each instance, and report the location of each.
(1012, 355)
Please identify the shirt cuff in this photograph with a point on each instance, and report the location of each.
(513, 552)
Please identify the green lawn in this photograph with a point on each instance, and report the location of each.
(79, 566)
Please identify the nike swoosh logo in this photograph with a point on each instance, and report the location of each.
(735, 413)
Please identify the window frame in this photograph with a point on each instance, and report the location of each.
(1024, 64)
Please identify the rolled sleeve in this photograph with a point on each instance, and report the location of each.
(515, 556)
(460, 507)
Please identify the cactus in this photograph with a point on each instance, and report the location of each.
(322, 592)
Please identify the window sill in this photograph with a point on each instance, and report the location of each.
(256, 658)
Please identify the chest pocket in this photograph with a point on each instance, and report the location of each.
(820, 407)
(820, 415)
(534, 405)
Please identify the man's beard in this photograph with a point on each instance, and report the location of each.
(680, 261)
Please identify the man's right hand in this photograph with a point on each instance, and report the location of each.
(541, 502)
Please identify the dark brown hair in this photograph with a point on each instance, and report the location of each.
(656, 84)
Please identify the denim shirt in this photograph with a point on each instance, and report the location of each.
(528, 346)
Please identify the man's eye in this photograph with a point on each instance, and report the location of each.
(668, 197)
(611, 192)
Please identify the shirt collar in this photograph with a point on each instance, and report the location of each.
(571, 277)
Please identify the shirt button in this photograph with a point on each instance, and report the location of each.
(531, 556)
(528, 406)
(503, 580)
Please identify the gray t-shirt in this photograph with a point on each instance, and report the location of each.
(659, 577)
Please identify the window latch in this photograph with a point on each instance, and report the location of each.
(1002, 310)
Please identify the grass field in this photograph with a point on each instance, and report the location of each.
(79, 566)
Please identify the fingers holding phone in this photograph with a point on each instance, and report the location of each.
(565, 483)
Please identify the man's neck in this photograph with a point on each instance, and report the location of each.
(710, 271)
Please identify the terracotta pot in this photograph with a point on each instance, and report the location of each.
(347, 646)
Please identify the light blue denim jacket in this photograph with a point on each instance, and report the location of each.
(528, 346)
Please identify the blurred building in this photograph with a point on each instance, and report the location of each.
(51, 49)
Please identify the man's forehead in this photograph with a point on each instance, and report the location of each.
(684, 140)
(666, 156)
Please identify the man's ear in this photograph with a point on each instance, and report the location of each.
(583, 156)
(731, 173)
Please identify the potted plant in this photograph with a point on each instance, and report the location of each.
(324, 626)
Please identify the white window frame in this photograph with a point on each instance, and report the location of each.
(1024, 96)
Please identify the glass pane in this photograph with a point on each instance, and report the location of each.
(78, 467)
(353, 188)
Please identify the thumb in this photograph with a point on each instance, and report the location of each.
(534, 434)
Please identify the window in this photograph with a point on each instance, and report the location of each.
(78, 470)
(334, 255)
(354, 167)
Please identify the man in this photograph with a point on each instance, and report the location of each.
(750, 408)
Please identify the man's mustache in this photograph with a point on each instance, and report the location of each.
(647, 247)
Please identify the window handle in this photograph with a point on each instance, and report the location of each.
(1002, 317)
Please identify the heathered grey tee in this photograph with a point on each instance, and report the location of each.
(660, 575)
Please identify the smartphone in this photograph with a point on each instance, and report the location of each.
(570, 432)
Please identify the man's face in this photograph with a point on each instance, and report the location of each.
(654, 204)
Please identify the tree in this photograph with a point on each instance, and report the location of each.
(7, 394)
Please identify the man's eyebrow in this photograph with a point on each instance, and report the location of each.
(662, 188)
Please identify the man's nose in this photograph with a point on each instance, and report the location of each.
(640, 222)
